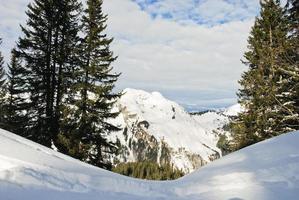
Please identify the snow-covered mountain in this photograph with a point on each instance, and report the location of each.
(160, 130)
(266, 171)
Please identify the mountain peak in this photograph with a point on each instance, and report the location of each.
(142, 95)
(160, 130)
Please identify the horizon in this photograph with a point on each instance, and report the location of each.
(189, 107)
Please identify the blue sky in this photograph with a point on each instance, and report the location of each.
(208, 12)
(189, 50)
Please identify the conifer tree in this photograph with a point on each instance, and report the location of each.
(50, 37)
(293, 14)
(15, 106)
(2, 72)
(2, 89)
(293, 17)
(93, 96)
(263, 117)
(289, 94)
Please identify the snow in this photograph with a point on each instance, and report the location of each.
(213, 123)
(234, 110)
(266, 171)
(168, 122)
(182, 131)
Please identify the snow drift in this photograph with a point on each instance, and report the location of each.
(268, 171)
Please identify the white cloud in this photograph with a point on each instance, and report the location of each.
(160, 54)
(188, 62)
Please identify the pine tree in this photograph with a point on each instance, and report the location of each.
(263, 117)
(2, 89)
(2, 72)
(93, 97)
(47, 48)
(289, 93)
(67, 59)
(15, 106)
(293, 15)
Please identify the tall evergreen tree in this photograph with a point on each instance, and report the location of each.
(2, 72)
(293, 14)
(47, 46)
(293, 17)
(15, 106)
(289, 82)
(93, 96)
(265, 113)
(2, 89)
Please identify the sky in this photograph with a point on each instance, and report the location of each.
(189, 50)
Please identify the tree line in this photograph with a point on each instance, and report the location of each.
(270, 87)
(148, 170)
(57, 89)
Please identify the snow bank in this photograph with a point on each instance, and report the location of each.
(266, 171)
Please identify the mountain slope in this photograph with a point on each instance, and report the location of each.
(159, 130)
(266, 171)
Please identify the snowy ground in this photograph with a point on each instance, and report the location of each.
(268, 171)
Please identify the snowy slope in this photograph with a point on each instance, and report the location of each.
(266, 171)
(160, 130)
(213, 123)
(168, 120)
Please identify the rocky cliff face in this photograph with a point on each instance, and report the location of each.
(156, 129)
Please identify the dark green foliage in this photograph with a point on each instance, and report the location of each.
(59, 87)
(2, 72)
(293, 16)
(47, 48)
(148, 170)
(15, 106)
(224, 145)
(266, 44)
(291, 62)
(269, 89)
(2, 89)
(292, 11)
(288, 84)
(92, 98)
